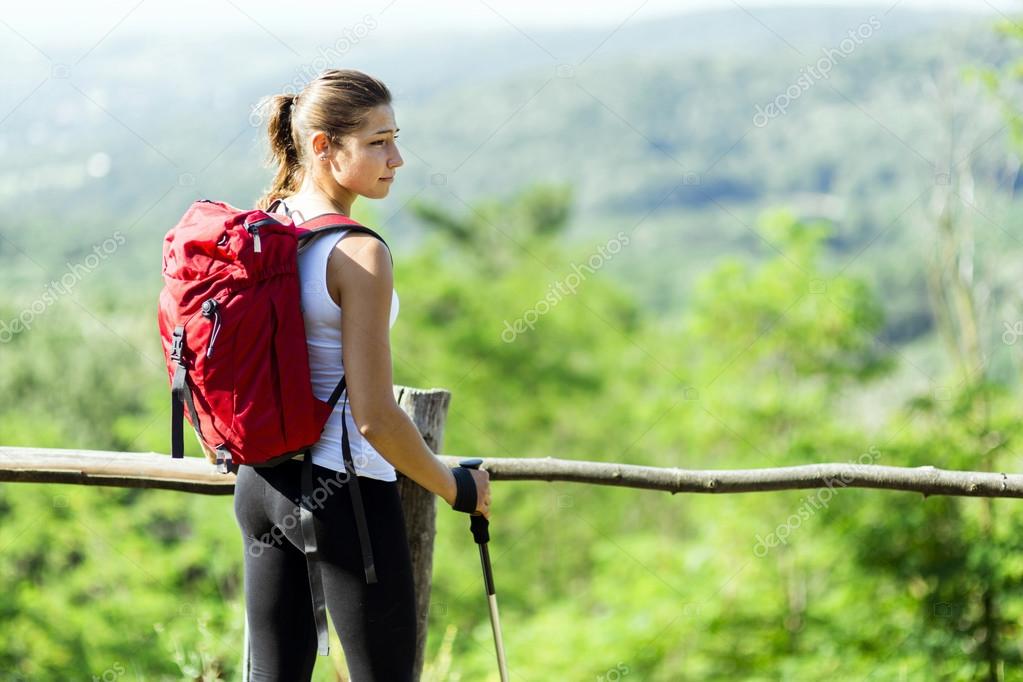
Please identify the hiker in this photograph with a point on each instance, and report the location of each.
(334, 142)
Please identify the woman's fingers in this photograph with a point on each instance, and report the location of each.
(482, 480)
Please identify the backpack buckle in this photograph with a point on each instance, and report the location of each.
(223, 459)
(177, 344)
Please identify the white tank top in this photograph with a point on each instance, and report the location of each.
(326, 366)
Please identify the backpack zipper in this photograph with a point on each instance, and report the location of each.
(254, 231)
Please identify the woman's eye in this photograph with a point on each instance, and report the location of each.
(380, 142)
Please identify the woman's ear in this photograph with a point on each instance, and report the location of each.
(320, 144)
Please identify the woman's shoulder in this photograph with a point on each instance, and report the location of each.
(361, 262)
(364, 249)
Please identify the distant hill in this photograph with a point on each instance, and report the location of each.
(656, 127)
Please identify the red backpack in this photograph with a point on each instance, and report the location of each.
(234, 339)
(233, 334)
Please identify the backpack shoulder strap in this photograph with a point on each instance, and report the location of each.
(333, 222)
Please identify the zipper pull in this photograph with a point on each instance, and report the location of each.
(210, 308)
(254, 231)
(223, 459)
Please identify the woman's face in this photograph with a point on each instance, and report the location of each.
(365, 161)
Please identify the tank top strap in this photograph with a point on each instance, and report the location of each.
(313, 262)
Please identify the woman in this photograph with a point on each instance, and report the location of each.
(334, 142)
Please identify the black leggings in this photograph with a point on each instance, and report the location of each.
(376, 623)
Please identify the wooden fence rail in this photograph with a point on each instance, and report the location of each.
(428, 410)
(152, 470)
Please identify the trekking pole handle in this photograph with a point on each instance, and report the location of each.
(478, 524)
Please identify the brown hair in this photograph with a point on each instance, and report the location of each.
(335, 102)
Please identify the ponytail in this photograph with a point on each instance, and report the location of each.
(283, 152)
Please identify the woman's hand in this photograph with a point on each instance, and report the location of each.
(482, 479)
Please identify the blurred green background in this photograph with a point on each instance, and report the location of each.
(837, 283)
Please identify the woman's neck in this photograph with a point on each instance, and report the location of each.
(311, 200)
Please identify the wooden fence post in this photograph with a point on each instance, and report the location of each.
(428, 410)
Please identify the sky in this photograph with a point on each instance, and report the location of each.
(51, 21)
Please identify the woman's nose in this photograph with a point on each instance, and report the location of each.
(396, 160)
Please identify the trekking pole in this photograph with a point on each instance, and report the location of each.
(480, 527)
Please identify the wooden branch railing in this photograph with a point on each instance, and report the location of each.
(151, 470)
(428, 410)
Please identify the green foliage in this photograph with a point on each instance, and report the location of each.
(1004, 81)
(495, 234)
(550, 348)
(592, 581)
(812, 326)
(546, 355)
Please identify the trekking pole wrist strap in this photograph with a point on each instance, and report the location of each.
(465, 495)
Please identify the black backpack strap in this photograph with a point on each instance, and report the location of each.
(336, 395)
(360, 511)
(312, 555)
(181, 396)
(314, 233)
(309, 539)
(311, 545)
(278, 202)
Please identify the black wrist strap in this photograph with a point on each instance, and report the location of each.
(465, 497)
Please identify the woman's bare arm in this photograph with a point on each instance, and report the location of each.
(360, 279)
